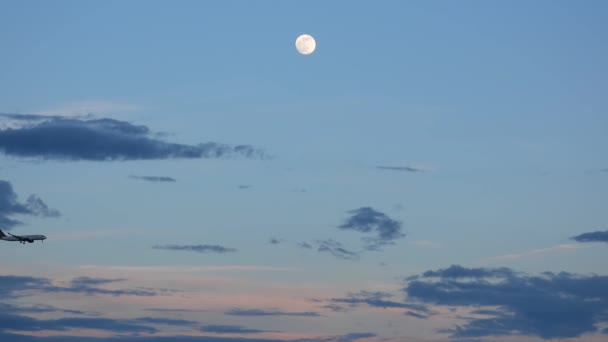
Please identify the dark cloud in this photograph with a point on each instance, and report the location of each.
(336, 249)
(197, 248)
(62, 138)
(370, 221)
(10, 285)
(343, 338)
(10, 322)
(263, 312)
(10, 205)
(229, 329)
(156, 179)
(11, 337)
(38, 308)
(456, 271)
(599, 236)
(415, 315)
(402, 168)
(243, 187)
(14, 286)
(376, 299)
(550, 305)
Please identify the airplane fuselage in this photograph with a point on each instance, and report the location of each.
(21, 238)
(24, 238)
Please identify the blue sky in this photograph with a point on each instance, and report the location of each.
(200, 166)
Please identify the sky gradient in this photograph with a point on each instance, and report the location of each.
(434, 171)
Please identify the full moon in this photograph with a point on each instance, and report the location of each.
(305, 44)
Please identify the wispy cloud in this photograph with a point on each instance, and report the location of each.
(598, 236)
(375, 299)
(269, 312)
(533, 252)
(198, 248)
(10, 206)
(85, 108)
(370, 221)
(63, 138)
(405, 168)
(230, 329)
(14, 286)
(156, 179)
(336, 249)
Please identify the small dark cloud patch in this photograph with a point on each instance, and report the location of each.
(230, 329)
(154, 179)
(370, 221)
(336, 249)
(402, 168)
(598, 236)
(274, 241)
(63, 138)
(10, 206)
(550, 305)
(244, 187)
(263, 312)
(198, 248)
(305, 245)
(352, 337)
(415, 315)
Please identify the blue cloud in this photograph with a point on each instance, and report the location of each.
(368, 220)
(103, 139)
(598, 236)
(10, 206)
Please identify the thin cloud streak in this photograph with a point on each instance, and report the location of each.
(198, 248)
(534, 252)
(155, 179)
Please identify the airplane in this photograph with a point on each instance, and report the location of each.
(22, 239)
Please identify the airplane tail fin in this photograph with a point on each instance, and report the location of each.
(2, 234)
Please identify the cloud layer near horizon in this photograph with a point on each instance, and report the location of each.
(63, 138)
(550, 305)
